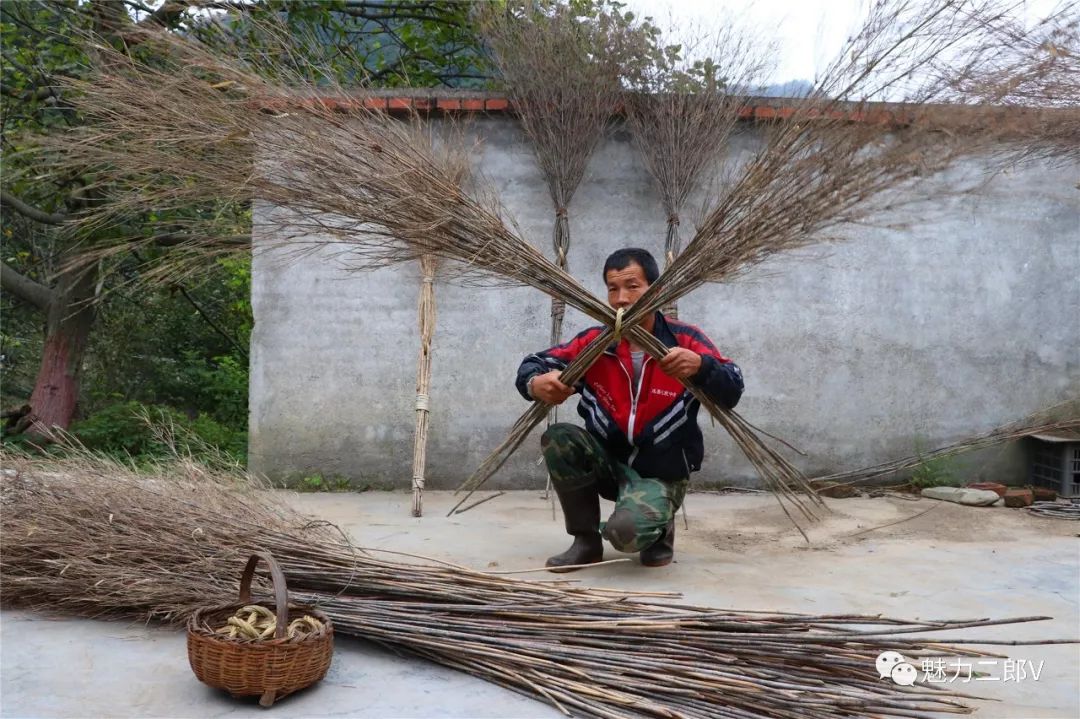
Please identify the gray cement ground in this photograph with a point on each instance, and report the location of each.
(950, 563)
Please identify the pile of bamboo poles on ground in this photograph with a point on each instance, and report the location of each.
(91, 538)
(999, 435)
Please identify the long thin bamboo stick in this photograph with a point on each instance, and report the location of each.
(426, 317)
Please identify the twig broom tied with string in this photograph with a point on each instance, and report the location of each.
(563, 72)
(457, 162)
(681, 111)
(426, 318)
(340, 175)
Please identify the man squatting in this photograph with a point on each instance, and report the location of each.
(641, 438)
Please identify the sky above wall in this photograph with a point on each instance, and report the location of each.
(808, 33)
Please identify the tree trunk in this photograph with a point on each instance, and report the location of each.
(56, 391)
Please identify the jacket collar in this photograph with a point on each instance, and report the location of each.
(661, 331)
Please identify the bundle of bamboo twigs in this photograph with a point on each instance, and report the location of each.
(681, 118)
(1055, 510)
(88, 537)
(340, 175)
(1037, 423)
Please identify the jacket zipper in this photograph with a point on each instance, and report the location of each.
(634, 394)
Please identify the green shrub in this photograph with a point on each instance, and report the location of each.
(312, 483)
(231, 441)
(121, 429)
(318, 483)
(934, 473)
(132, 429)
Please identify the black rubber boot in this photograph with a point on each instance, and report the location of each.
(581, 508)
(662, 550)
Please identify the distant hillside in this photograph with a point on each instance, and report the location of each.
(791, 88)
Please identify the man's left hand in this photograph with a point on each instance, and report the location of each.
(680, 363)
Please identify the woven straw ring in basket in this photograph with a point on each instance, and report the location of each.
(270, 668)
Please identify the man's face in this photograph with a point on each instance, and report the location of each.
(625, 286)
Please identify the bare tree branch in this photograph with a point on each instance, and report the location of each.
(169, 12)
(210, 321)
(30, 211)
(135, 5)
(26, 289)
(31, 95)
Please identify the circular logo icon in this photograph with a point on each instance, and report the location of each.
(886, 661)
(904, 674)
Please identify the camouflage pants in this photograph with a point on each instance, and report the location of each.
(643, 505)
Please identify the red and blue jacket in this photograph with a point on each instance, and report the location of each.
(651, 427)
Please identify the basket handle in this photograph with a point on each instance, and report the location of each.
(281, 591)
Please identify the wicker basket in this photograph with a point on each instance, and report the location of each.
(270, 668)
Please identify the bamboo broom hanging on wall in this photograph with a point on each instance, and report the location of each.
(681, 113)
(563, 74)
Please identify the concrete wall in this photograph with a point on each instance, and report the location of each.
(965, 318)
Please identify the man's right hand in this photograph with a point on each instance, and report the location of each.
(548, 389)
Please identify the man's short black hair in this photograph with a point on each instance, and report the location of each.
(621, 259)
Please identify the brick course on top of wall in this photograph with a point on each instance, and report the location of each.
(759, 109)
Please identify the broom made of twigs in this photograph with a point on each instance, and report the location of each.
(563, 76)
(90, 537)
(346, 177)
(564, 79)
(681, 115)
(454, 158)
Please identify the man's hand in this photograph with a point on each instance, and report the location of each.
(548, 389)
(680, 363)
